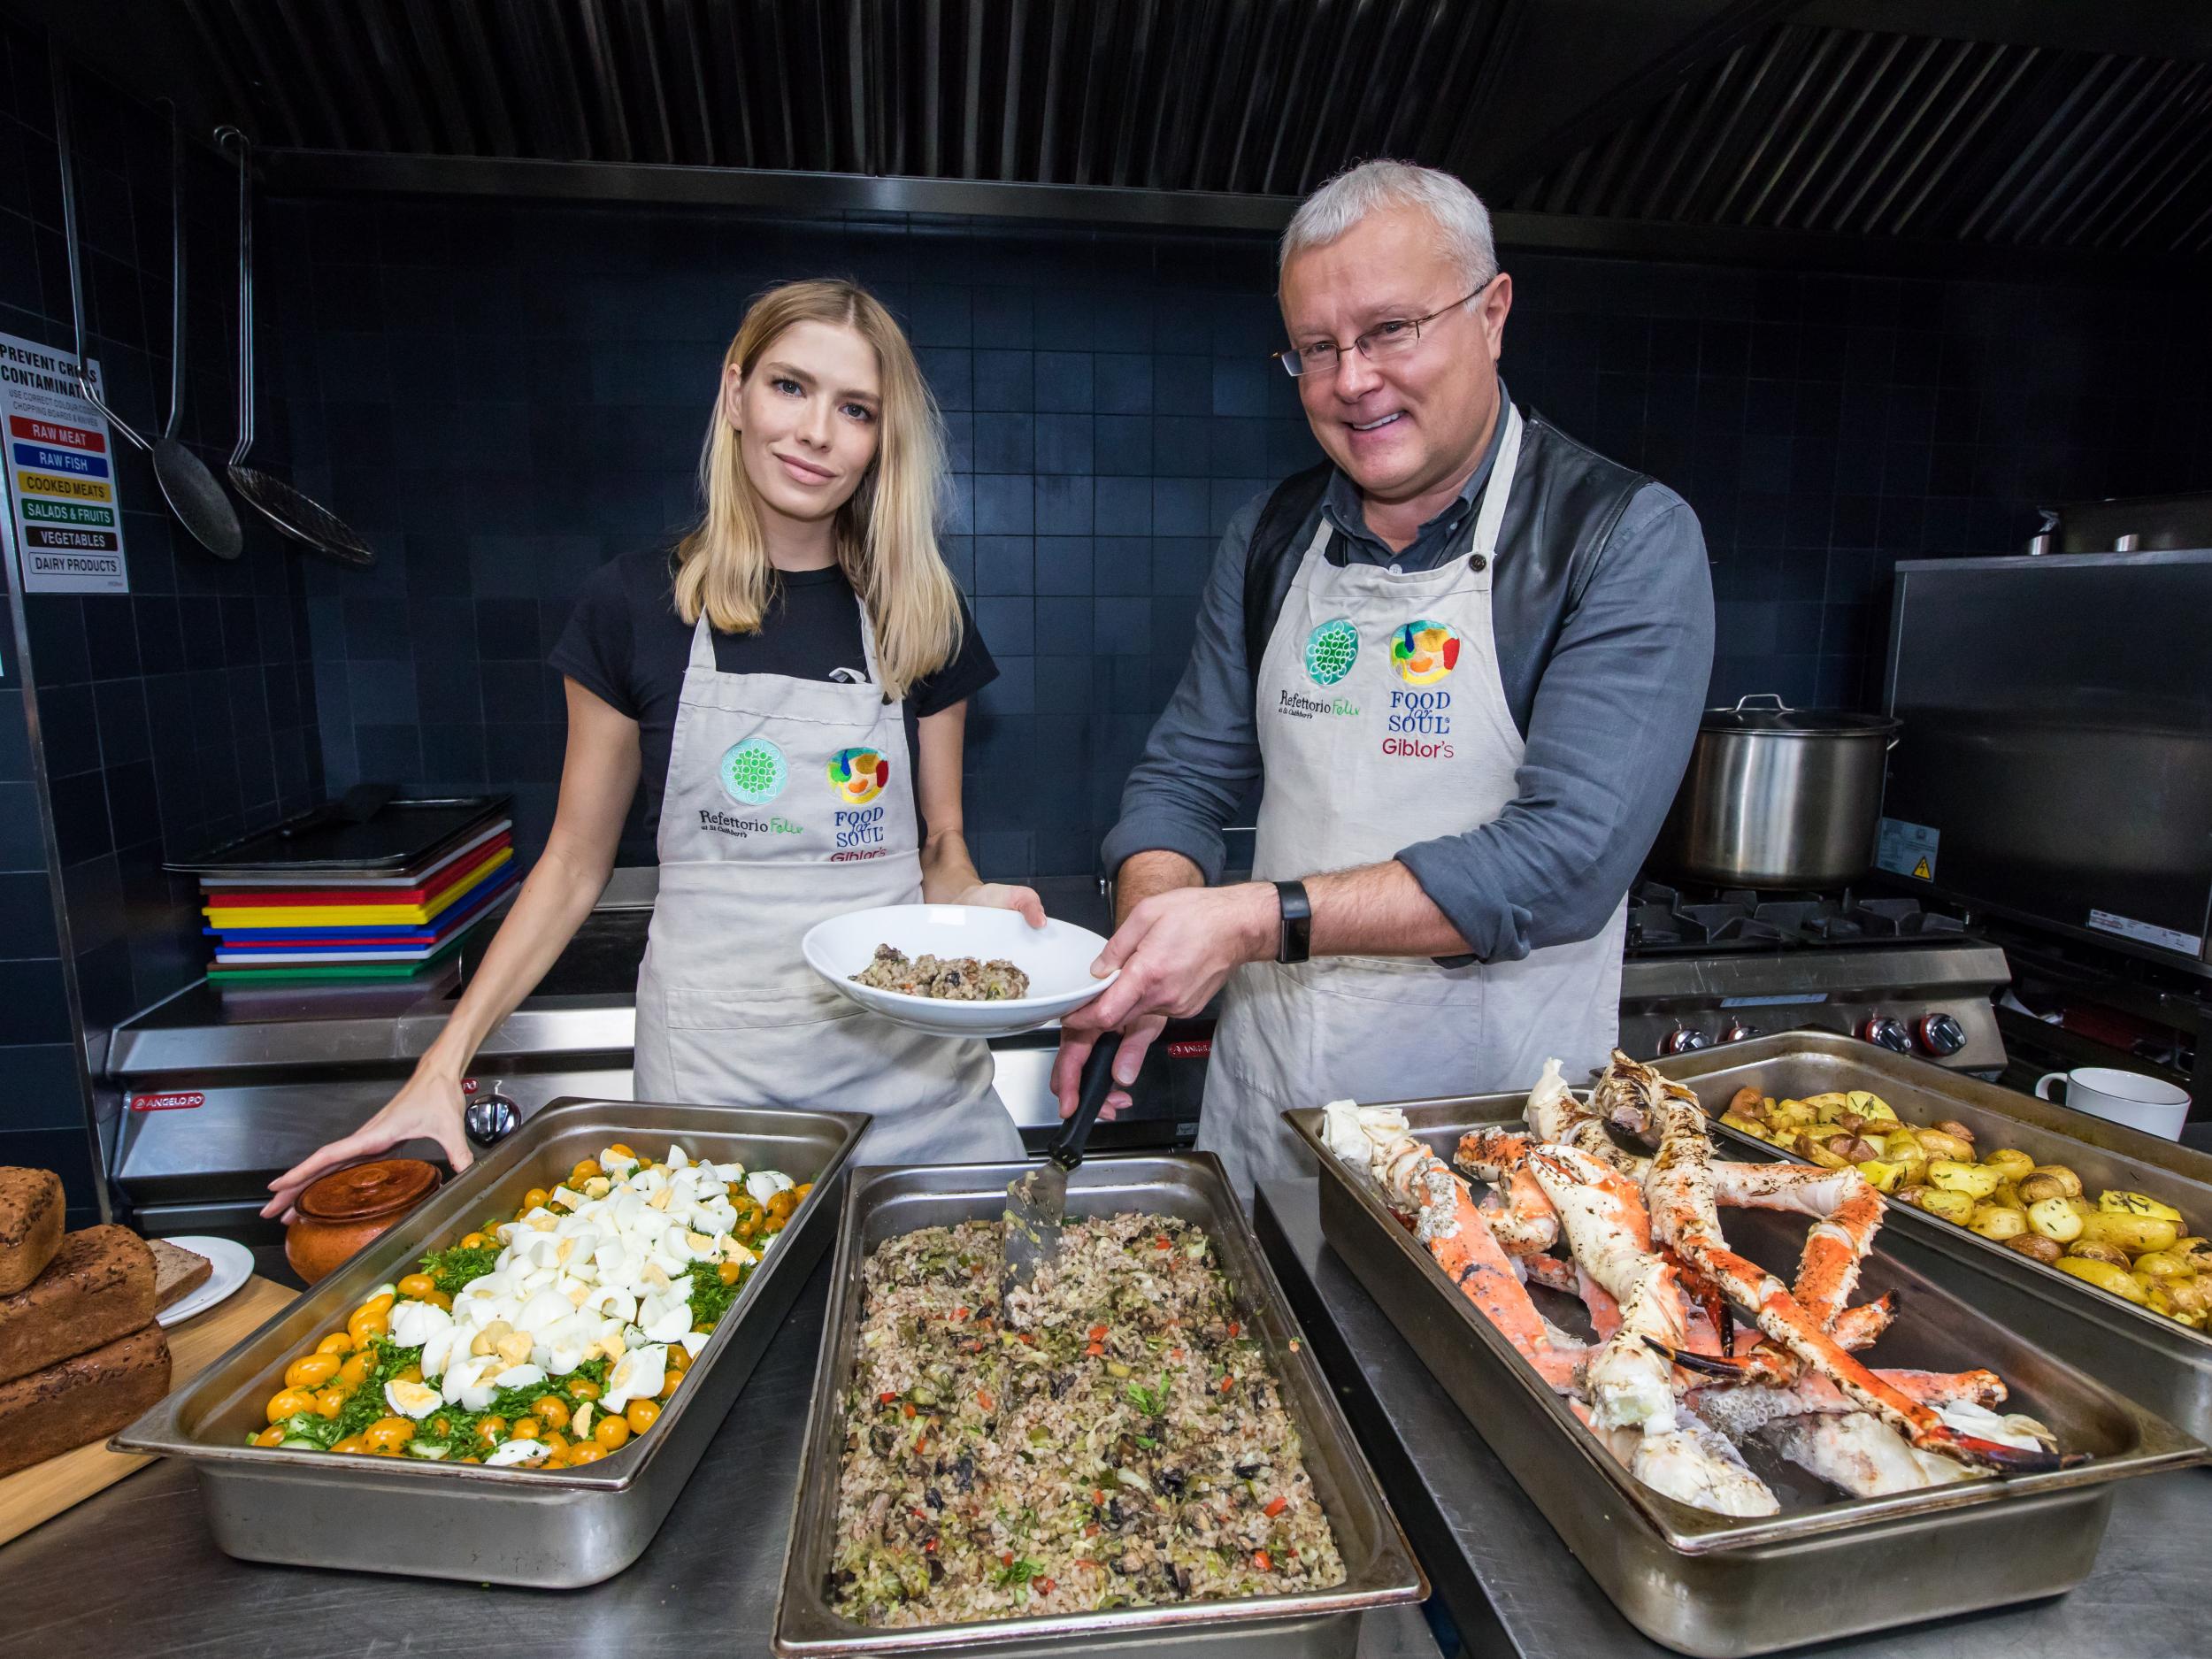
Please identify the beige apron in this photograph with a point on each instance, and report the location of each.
(1383, 722)
(790, 800)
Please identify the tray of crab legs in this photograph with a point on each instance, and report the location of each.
(1709, 1375)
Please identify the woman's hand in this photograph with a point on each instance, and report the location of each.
(999, 895)
(428, 1108)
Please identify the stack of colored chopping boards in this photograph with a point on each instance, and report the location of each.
(376, 917)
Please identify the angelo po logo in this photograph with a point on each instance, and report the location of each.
(1331, 650)
(1425, 652)
(858, 776)
(754, 771)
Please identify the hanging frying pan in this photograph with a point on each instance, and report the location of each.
(305, 521)
(193, 494)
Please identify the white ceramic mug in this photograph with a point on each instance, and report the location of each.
(2121, 1098)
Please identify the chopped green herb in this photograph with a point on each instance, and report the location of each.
(450, 1270)
(710, 1298)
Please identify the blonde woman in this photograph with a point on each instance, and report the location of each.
(790, 688)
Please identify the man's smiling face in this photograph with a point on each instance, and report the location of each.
(1413, 421)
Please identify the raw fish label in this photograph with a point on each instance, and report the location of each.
(754, 771)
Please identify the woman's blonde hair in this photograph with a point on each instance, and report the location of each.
(886, 534)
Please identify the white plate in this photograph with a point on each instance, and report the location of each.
(1056, 957)
(234, 1266)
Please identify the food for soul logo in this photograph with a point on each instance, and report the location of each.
(858, 776)
(1425, 652)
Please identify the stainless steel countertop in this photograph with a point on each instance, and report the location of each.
(705, 1585)
(1512, 1587)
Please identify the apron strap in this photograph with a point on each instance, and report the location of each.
(1491, 516)
(702, 645)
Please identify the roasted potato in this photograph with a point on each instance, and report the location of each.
(2098, 1251)
(1743, 1126)
(1746, 1102)
(1938, 1144)
(2041, 1188)
(2012, 1162)
(2165, 1264)
(2009, 1196)
(2189, 1296)
(1818, 1152)
(1957, 1208)
(2053, 1218)
(2069, 1182)
(2120, 1203)
(1869, 1105)
(1956, 1130)
(1855, 1148)
(1882, 1176)
(2195, 1250)
(2131, 1235)
(1910, 1192)
(2035, 1245)
(1952, 1176)
(2103, 1275)
(2000, 1222)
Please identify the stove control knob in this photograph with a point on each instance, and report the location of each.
(1682, 1040)
(1941, 1034)
(1737, 1032)
(489, 1118)
(1885, 1031)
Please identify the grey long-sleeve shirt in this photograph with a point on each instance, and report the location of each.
(1615, 712)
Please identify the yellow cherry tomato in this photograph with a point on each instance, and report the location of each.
(352, 1443)
(556, 1441)
(381, 1302)
(356, 1369)
(437, 1299)
(678, 1359)
(612, 1433)
(271, 1436)
(289, 1402)
(363, 1327)
(619, 1151)
(802, 1189)
(417, 1285)
(331, 1401)
(474, 1241)
(392, 1433)
(589, 1452)
(670, 1383)
(337, 1342)
(641, 1414)
(584, 1170)
(534, 1198)
(582, 1388)
(551, 1410)
(729, 1272)
(781, 1204)
(312, 1370)
(489, 1429)
(525, 1429)
(408, 1373)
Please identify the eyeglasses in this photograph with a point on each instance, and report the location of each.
(1391, 338)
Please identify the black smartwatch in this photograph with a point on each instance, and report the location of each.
(1297, 942)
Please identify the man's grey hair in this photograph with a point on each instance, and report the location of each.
(1462, 224)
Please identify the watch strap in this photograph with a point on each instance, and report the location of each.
(1297, 942)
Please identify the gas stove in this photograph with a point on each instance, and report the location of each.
(1713, 965)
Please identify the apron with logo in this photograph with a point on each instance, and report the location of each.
(1383, 722)
(784, 808)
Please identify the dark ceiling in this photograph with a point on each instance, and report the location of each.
(1969, 126)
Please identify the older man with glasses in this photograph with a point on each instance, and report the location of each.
(1464, 658)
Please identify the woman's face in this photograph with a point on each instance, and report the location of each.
(808, 418)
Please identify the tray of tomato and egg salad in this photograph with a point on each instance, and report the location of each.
(1712, 1375)
(512, 1384)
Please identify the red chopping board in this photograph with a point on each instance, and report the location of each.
(44, 1490)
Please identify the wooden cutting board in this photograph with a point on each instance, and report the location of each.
(44, 1490)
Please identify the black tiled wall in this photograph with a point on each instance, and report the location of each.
(508, 394)
(181, 713)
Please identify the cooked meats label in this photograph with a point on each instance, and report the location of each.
(64, 525)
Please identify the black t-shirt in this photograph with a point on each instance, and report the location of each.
(627, 646)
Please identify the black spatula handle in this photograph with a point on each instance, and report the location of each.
(1098, 1083)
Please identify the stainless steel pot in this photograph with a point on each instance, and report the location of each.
(1778, 797)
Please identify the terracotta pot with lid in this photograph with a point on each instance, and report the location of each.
(347, 1208)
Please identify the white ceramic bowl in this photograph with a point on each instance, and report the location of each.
(1057, 958)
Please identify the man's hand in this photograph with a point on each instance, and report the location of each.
(1174, 950)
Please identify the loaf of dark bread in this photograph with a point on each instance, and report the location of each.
(99, 1286)
(30, 1224)
(83, 1399)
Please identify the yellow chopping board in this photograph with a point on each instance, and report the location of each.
(44, 1490)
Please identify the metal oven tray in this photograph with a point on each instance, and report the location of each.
(2165, 1366)
(552, 1530)
(1379, 1567)
(1826, 1566)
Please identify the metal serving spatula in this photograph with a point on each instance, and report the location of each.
(1037, 1199)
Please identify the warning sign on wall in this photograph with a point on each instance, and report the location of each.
(67, 519)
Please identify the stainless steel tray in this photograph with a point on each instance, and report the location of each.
(554, 1530)
(1379, 1568)
(1715, 1586)
(2165, 1366)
